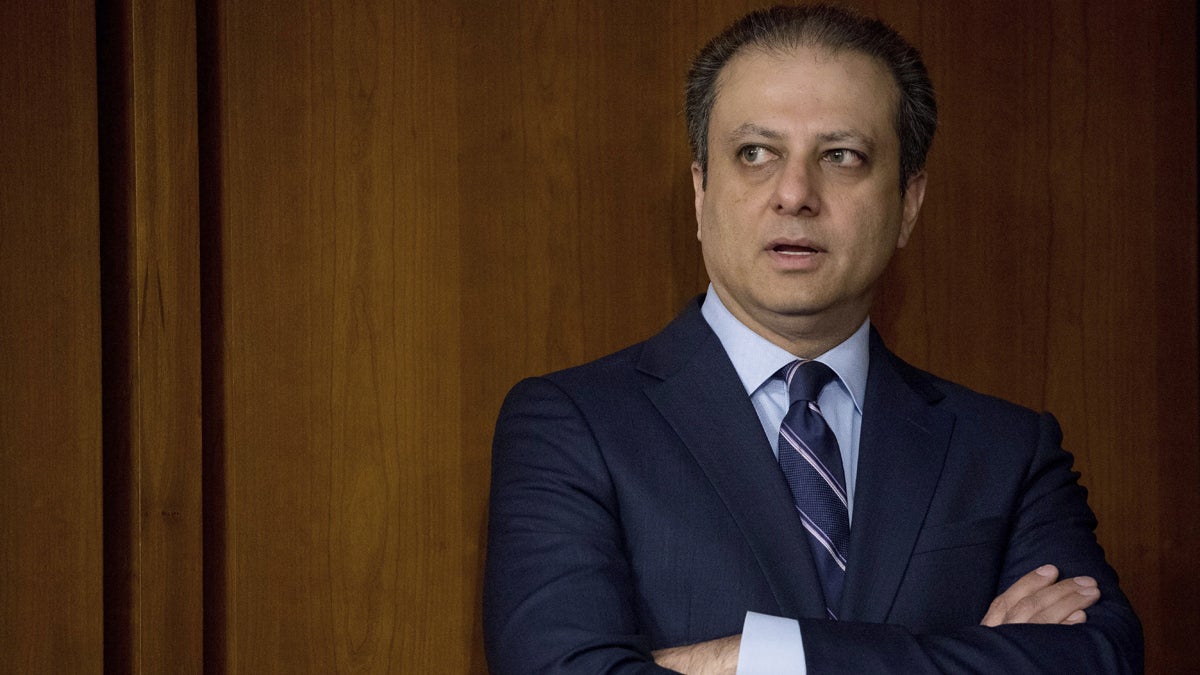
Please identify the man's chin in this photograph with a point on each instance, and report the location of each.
(816, 315)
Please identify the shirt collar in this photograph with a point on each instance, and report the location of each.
(757, 359)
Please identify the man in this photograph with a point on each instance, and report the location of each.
(640, 518)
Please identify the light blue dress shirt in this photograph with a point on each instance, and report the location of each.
(773, 644)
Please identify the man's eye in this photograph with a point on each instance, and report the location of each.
(844, 157)
(754, 154)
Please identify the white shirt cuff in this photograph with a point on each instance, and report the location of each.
(771, 645)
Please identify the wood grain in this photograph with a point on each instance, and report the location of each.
(338, 230)
(150, 271)
(51, 615)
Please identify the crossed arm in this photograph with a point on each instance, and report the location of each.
(1036, 598)
(562, 593)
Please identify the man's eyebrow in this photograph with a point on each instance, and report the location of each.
(750, 129)
(866, 141)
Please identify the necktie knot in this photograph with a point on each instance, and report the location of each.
(806, 379)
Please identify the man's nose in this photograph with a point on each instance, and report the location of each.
(797, 192)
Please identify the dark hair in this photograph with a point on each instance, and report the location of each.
(783, 28)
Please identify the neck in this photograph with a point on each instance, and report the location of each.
(809, 344)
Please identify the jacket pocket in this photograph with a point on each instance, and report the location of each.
(978, 532)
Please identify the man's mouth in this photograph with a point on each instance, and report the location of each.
(794, 248)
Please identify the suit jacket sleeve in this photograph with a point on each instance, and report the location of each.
(557, 587)
(1053, 525)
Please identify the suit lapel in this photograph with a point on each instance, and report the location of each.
(902, 449)
(702, 398)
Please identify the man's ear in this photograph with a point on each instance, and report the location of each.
(914, 196)
(698, 187)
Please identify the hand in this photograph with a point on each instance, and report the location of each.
(715, 657)
(1036, 598)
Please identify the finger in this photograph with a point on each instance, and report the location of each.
(1082, 594)
(1078, 616)
(1022, 588)
(1054, 603)
(1030, 606)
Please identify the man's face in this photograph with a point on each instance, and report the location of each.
(803, 209)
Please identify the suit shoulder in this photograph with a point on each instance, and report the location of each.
(614, 374)
(615, 366)
(959, 396)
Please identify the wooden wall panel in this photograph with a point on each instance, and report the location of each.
(276, 385)
(51, 613)
(150, 271)
(347, 545)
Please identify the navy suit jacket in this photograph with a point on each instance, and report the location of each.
(636, 505)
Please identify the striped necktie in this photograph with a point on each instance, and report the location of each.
(812, 464)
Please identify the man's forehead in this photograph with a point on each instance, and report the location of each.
(816, 55)
(769, 68)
